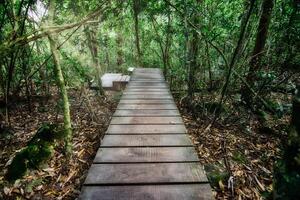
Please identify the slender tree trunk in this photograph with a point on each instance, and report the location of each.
(93, 47)
(209, 67)
(193, 54)
(136, 11)
(120, 54)
(193, 63)
(61, 84)
(119, 39)
(167, 47)
(260, 42)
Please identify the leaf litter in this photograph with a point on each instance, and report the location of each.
(56, 179)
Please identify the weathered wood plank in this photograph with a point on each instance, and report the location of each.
(148, 80)
(146, 93)
(146, 140)
(148, 192)
(146, 101)
(146, 154)
(134, 83)
(155, 173)
(146, 90)
(147, 86)
(146, 129)
(147, 76)
(143, 79)
(146, 120)
(131, 113)
(146, 106)
(146, 96)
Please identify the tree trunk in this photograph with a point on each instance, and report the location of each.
(136, 11)
(210, 75)
(260, 42)
(93, 47)
(167, 46)
(193, 63)
(61, 84)
(119, 39)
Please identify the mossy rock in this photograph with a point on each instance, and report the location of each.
(46, 133)
(18, 167)
(38, 150)
(38, 154)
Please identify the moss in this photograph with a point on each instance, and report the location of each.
(39, 149)
(18, 167)
(47, 132)
(38, 154)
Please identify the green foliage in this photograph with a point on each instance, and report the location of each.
(286, 182)
(38, 150)
(287, 169)
(239, 157)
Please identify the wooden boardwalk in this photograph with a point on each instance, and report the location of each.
(146, 153)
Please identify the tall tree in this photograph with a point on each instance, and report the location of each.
(60, 82)
(261, 38)
(193, 62)
(136, 7)
(93, 45)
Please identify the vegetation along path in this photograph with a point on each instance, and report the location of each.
(146, 153)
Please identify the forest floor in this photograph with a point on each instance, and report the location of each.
(56, 179)
(240, 142)
(243, 146)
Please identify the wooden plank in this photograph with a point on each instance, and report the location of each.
(148, 192)
(146, 93)
(146, 90)
(146, 101)
(147, 76)
(146, 96)
(146, 129)
(131, 113)
(147, 86)
(146, 106)
(149, 80)
(146, 140)
(146, 120)
(154, 173)
(141, 70)
(146, 154)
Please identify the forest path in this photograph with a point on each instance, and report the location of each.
(146, 153)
